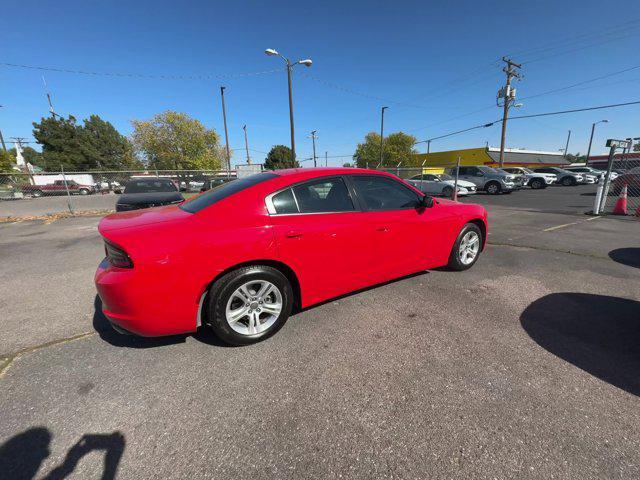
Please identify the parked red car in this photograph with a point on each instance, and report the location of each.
(242, 256)
(58, 187)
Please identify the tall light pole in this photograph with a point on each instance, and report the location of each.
(428, 146)
(566, 147)
(307, 63)
(246, 144)
(382, 133)
(313, 139)
(226, 132)
(4, 147)
(593, 128)
(326, 159)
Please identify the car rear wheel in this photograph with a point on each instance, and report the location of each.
(568, 181)
(37, 193)
(466, 249)
(249, 304)
(492, 188)
(83, 191)
(537, 183)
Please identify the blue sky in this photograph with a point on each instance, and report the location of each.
(430, 62)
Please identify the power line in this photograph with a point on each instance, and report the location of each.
(140, 75)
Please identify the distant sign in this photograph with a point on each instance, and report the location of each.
(618, 143)
(247, 170)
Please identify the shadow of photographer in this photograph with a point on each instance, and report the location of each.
(22, 455)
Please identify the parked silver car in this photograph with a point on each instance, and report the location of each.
(532, 179)
(441, 184)
(565, 177)
(489, 179)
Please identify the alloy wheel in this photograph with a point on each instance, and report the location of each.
(254, 307)
(469, 248)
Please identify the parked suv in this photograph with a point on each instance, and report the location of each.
(489, 179)
(565, 177)
(532, 179)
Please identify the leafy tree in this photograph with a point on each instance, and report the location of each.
(347, 164)
(61, 143)
(280, 157)
(104, 147)
(173, 140)
(96, 145)
(398, 147)
(6, 162)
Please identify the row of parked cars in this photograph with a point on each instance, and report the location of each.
(493, 181)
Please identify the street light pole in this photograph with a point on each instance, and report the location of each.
(593, 128)
(428, 146)
(566, 147)
(226, 132)
(382, 134)
(307, 62)
(313, 139)
(246, 144)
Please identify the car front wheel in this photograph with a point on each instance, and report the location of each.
(249, 304)
(537, 184)
(568, 181)
(466, 249)
(493, 188)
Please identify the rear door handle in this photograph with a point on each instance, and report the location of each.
(293, 234)
(382, 229)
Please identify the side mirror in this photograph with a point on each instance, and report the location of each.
(426, 202)
(479, 174)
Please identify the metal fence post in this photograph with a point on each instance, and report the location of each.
(607, 179)
(455, 182)
(66, 187)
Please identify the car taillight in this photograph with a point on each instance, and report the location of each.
(117, 256)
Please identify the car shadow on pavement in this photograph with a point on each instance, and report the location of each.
(109, 335)
(596, 333)
(626, 256)
(22, 455)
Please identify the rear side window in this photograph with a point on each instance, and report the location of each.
(325, 195)
(284, 202)
(381, 193)
(210, 197)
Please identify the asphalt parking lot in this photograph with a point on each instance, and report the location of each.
(525, 366)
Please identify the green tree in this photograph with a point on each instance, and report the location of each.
(398, 147)
(105, 148)
(6, 162)
(173, 140)
(348, 165)
(280, 157)
(61, 143)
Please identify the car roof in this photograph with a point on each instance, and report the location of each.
(308, 173)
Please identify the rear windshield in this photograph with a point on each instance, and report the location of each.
(195, 204)
(150, 186)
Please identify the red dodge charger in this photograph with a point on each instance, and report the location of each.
(242, 256)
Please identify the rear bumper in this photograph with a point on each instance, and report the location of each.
(132, 304)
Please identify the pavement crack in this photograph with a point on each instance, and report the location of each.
(547, 249)
(6, 360)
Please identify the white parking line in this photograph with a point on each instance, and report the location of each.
(557, 227)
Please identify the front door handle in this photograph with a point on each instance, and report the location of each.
(293, 234)
(382, 229)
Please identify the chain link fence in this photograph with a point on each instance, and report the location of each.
(624, 188)
(39, 194)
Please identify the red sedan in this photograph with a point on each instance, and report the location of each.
(242, 256)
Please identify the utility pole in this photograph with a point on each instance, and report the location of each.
(509, 95)
(428, 146)
(46, 91)
(313, 139)
(226, 132)
(4, 147)
(382, 134)
(18, 142)
(326, 159)
(566, 147)
(246, 144)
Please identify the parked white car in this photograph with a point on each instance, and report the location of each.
(532, 179)
(441, 184)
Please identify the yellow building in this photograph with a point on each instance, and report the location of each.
(490, 156)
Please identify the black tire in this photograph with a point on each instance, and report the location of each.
(537, 183)
(568, 181)
(83, 191)
(455, 262)
(37, 193)
(447, 192)
(221, 291)
(493, 188)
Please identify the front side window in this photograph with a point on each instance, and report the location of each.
(324, 195)
(381, 193)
